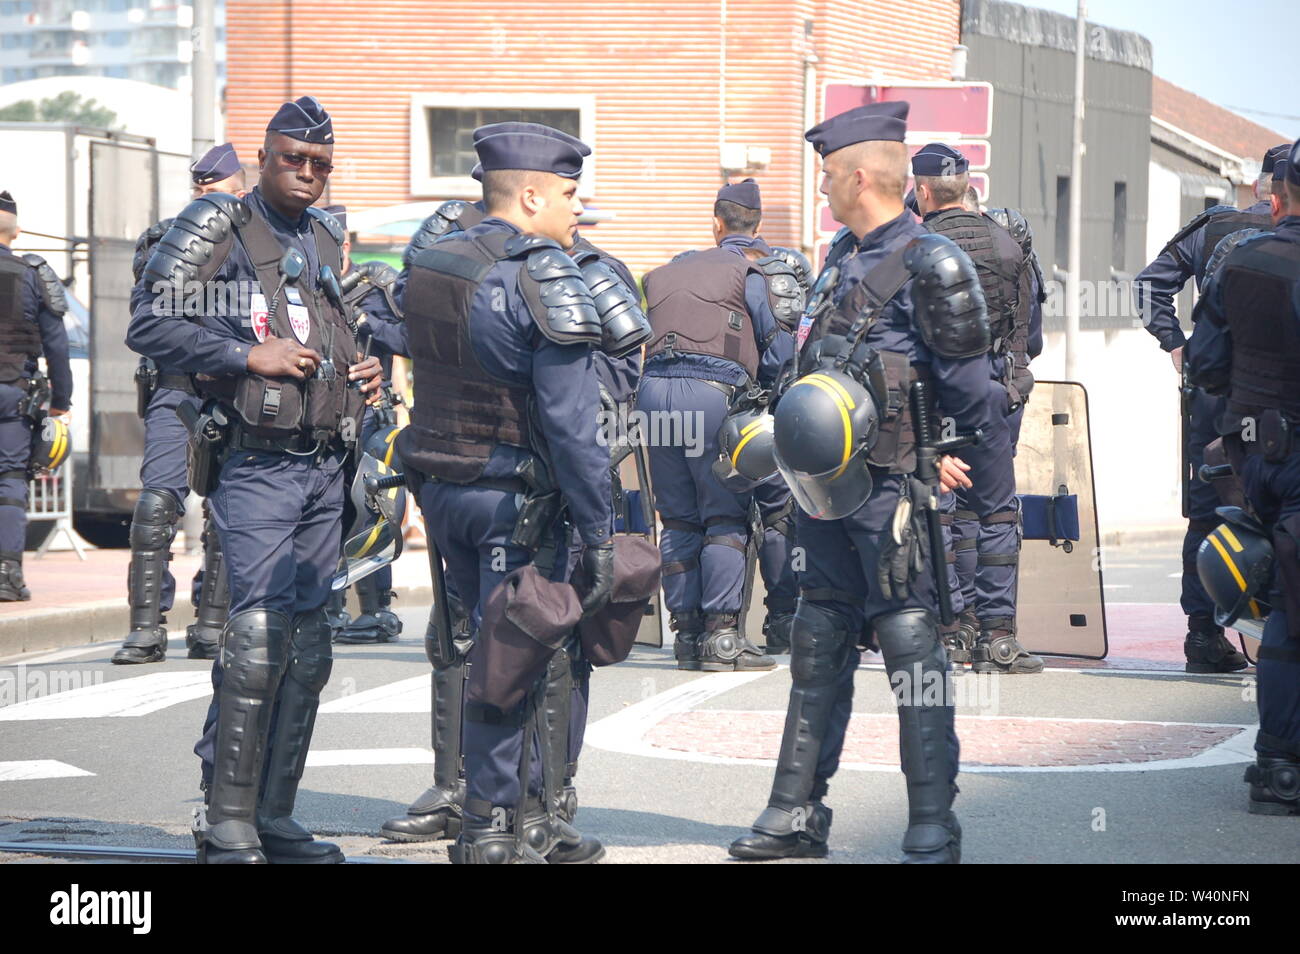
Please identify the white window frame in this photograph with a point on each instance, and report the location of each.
(464, 187)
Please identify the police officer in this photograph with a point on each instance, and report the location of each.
(1185, 257)
(865, 582)
(1247, 347)
(438, 812)
(987, 517)
(32, 305)
(501, 327)
(715, 333)
(376, 314)
(150, 586)
(273, 359)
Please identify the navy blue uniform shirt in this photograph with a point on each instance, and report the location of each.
(54, 338)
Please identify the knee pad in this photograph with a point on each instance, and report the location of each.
(820, 641)
(153, 524)
(311, 659)
(254, 645)
(908, 637)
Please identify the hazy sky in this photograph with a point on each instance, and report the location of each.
(1232, 53)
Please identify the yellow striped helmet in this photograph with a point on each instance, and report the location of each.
(1235, 564)
(824, 427)
(745, 450)
(51, 445)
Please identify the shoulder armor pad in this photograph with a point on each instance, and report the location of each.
(442, 220)
(145, 243)
(798, 261)
(520, 245)
(56, 300)
(1016, 224)
(331, 224)
(948, 306)
(785, 293)
(1197, 221)
(623, 325)
(379, 274)
(1227, 245)
(558, 298)
(196, 233)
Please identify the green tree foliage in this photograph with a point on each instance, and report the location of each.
(66, 107)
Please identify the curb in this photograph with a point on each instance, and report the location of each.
(109, 620)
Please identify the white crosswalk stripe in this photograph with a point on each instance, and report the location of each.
(121, 698)
(32, 769)
(405, 695)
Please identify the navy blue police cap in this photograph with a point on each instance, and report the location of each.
(1271, 157)
(7, 203)
(885, 122)
(938, 159)
(530, 150)
(219, 162)
(304, 119)
(339, 212)
(743, 194)
(1293, 164)
(495, 129)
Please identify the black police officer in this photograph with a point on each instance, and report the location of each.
(273, 358)
(1185, 257)
(501, 327)
(32, 305)
(1247, 348)
(866, 582)
(150, 586)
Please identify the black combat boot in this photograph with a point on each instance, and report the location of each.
(783, 833)
(724, 649)
(336, 612)
(490, 840)
(1208, 650)
(202, 636)
(438, 813)
(959, 638)
(688, 628)
(776, 631)
(12, 587)
(1274, 786)
(557, 841)
(998, 650)
(153, 525)
(284, 841)
(377, 622)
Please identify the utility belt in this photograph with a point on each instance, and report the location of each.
(303, 443)
(148, 381)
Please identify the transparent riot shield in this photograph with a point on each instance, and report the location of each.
(1060, 604)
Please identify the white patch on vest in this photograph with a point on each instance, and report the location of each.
(299, 322)
(260, 316)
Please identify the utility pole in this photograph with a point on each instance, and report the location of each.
(203, 80)
(1076, 204)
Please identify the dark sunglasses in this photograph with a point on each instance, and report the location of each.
(295, 160)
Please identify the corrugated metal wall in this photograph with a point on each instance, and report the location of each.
(656, 71)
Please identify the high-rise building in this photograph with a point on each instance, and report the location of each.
(144, 40)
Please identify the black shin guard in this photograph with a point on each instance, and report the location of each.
(917, 668)
(153, 526)
(254, 646)
(214, 597)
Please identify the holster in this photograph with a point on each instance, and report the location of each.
(607, 636)
(32, 406)
(209, 433)
(525, 619)
(540, 507)
(1275, 438)
(146, 383)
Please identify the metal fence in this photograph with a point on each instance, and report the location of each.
(50, 498)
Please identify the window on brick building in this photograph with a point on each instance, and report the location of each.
(442, 134)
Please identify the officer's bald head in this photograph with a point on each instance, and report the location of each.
(8, 226)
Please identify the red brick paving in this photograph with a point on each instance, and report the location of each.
(873, 739)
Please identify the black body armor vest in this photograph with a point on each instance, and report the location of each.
(1258, 283)
(462, 413)
(20, 339)
(696, 305)
(1220, 227)
(283, 407)
(998, 260)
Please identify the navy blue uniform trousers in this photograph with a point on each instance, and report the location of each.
(15, 450)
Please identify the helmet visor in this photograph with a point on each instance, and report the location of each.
(830, 496)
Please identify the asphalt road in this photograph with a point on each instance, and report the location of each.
(1066, 766)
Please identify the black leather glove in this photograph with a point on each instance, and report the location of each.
(598, 569)
(901, 559)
